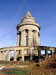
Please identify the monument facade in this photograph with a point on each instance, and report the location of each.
(28, 42)
(28, 32)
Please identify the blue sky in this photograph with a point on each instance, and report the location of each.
(12, 12)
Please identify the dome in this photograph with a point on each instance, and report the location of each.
(28, 20)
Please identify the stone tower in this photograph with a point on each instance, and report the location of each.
(28, 32)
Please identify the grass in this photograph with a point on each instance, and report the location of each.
(14, 71)
(45, 67)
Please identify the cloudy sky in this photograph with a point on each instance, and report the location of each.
(12, 12)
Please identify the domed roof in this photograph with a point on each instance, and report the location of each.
(28, 20)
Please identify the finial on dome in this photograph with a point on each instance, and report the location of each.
(28, 14)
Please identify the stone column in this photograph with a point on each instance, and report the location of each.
(0, 55)
(39, 38)
(15, 55)
(31, 55)
(23, 38)
(39, 54)
(8, 58)
(22, 55)
(36, 52)
(18, 39)
(46, 53)
(30, 38)
(51, 53)
(3, 55)
(36, 40)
